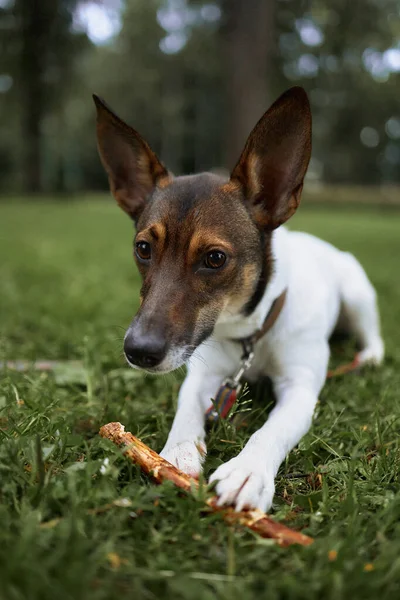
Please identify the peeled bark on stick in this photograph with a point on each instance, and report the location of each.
(153, 464)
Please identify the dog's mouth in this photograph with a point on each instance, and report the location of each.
(173, 359)
(150, 352)
(155, 350)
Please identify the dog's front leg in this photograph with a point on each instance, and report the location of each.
(248, 479)
(185, 447)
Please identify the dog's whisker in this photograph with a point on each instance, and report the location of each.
(197, 357)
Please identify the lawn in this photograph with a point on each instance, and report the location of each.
(77, 521)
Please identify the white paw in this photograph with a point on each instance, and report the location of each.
(373, 354)
(244, 484)
(186, 456)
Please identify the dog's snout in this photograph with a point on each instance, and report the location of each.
(145, 351)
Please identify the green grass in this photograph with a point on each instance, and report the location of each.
(68, 290)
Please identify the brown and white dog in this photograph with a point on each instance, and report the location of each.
(213, 259)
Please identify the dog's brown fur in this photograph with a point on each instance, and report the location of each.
(184, 218)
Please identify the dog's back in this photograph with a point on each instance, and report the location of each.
(328, 287)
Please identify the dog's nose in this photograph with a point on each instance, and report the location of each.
(145, 352)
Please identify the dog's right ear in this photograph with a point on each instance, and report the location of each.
(274, 161)
(132, 167)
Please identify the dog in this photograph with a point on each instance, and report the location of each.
(219, 271)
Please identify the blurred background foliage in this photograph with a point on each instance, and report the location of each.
(194, 77)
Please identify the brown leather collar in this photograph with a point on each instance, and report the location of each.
(269, 321)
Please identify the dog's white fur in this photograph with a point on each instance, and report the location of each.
(324, 287)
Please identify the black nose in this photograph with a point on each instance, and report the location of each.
(145, 352)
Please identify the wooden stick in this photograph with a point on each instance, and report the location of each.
(153, 464)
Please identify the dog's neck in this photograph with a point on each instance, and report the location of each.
(237, 325)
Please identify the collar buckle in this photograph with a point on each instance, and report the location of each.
(234, 382)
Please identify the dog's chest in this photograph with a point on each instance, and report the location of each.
(265, 363)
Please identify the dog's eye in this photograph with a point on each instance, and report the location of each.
(215, 259)
(143, 250)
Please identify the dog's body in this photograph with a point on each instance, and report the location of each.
(213, 262)
(325, 288)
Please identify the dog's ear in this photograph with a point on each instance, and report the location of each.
(132, 167)
(275, 158)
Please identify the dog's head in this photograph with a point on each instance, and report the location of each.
(202, 242)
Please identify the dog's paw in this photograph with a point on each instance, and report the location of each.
(373, 354)
(243, 484)
(186, 456)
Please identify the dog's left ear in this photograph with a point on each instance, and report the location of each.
(132, 167)
(275, 158)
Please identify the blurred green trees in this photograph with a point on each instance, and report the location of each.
(193, 77)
